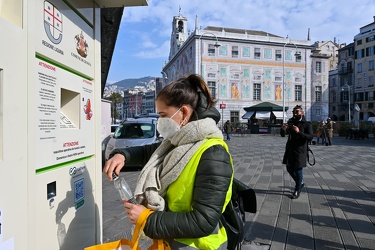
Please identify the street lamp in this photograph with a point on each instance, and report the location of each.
(346, 86)
(296, 54)
(165, 76)
(217, 45)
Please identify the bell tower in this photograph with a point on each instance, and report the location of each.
(179, 31)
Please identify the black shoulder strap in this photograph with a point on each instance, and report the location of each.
(311, 160)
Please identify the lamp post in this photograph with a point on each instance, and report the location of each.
(216, 45)
(346, 86)
(165, 77)
(296, 54)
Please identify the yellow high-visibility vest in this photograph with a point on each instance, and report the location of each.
(180, 194)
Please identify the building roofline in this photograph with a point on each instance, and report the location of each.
(240, 31)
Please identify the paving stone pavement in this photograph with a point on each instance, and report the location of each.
(336, 209)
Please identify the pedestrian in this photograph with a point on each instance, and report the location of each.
(187, 178)
(320, 131)
(329, 129)
(299, 133)
(228, 129)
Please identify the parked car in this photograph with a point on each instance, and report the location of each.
(133, 132)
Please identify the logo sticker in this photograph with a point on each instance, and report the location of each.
(81, 45)
(53, 23)
(72, 171)
(87, 110)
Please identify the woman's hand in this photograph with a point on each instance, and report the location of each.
(133, 211)
(114, 164)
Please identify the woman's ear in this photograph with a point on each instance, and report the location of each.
(186, 111)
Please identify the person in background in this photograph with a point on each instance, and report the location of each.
(299, 133)
(187, 179)
(320, 131)
(329, 129)
(228, 129)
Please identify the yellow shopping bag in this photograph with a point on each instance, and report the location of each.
(125, 244)
(122, 244)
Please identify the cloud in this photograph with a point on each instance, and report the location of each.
(325, 18)
(145, 31)
(161, 51)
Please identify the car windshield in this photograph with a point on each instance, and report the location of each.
(134, 131)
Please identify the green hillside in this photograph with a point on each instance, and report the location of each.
(132, 82)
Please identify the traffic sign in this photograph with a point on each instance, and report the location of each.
(223, 106)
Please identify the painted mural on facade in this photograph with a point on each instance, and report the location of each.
(278, 95)
(246, 84)
(267, 85)
(223, 83)
(235, 92)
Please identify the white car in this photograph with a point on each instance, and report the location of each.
(133, 132)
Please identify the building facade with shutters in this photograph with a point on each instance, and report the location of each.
(339, 92)
(243, 68)
(364, 85)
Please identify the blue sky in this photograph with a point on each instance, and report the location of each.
(143, 41)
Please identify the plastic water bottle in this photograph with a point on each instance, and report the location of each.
(127, 196)
(123, 188)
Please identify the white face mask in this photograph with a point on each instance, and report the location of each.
(167, 127)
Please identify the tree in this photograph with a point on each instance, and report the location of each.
(115, 98)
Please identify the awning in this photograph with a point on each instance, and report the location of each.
(247, 115)
(279, 114)
(263, 115)
(265, 106)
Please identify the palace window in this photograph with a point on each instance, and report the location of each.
(318, 93)
(257, 53)
(257, 91)
(235, 51)
(298, 93)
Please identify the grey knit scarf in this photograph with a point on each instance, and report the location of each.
(169, 159)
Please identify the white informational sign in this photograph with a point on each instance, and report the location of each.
(65, 61)
(64, 115)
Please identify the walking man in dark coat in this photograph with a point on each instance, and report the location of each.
(299, 133)
(228, 129)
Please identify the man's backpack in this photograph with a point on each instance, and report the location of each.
(243, 200)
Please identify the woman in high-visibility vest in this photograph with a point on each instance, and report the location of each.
(187, 179)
